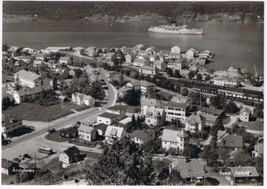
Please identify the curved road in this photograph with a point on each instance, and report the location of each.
(73, 118)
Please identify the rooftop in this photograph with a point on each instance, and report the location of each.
(27, 75)
(247, 171)
(143, 135)
(190, 168)
(231, 141)
(108, 115)
(7, 163)
(172, 135)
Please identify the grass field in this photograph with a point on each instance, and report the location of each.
(36, 112)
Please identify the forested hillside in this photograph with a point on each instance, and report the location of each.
(79, 10)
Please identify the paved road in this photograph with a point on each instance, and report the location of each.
(73, 118)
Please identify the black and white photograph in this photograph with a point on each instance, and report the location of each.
(130, 93)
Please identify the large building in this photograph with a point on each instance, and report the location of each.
(9, 125)
(173, 139)
(29, 79)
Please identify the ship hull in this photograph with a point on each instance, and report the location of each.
(178, 32)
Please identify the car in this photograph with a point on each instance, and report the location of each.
(51, 130)
(27, 156)
(17, 160)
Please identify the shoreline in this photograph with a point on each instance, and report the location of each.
(215, 18)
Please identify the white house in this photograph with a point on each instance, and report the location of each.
(148, 70)
(194, 123)
(160, 65)
(81, 99)
(173, 139)
(141, 137)
(90, 51)
(190, 54)
(86, 132)
(55, 49)
(108, 118)
(141, 61)
(114, 133)
(130, 57)
(176, 49)
(226, 81)
(147, 87)
(155, 116)
(65, 60)
(245, 114)
(79, 50)
(29, 79)
(69, 156)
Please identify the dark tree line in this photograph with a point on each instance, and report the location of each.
(79, 10)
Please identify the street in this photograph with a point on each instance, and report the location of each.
(68, 120)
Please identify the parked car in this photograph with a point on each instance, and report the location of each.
(17, 160)
(27, 156)
(51, 130)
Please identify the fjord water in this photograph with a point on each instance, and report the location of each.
(235, 44)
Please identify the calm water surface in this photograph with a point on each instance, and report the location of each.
(235, 44)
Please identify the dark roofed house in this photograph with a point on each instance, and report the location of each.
(141, 137)
(8, 166)
(190, 170)
(71, 155)
(231, 141)
(244, 175)
(70, 132)
(211, 111)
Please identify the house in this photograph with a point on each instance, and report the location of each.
(190, 54)
(155, 116)
(174, 56)
(245, 114)
(138, 47)
(221, 134)
(141, 137)
(37, 63)
(130, 57)
(79, 50)
(71, 132)
(184, 73)
(9, 125)
(69, 156)
(114, 133)
(148, 70)
(244, 175)
(65, 60)
(210, 111)
(56, 49)
(176, 49)
(151, 50)
(141, 61)
(81, 99)
(40, 56)
(108, 118)
(27, 78)
(190, 170)
(72, 73)
(194, 123)
(231, 141)
(86, 133)
(27, 94)
(173, 139)
(181, 99)
(160, 65)
(210, 120)
(258, 148)
(226, 81)
(147, 87)
(117, 109)
(8, 167)
(90, 51)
